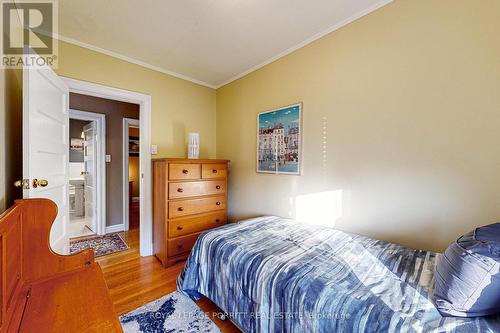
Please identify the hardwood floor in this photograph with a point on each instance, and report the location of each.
(134, 281)
(133, 215)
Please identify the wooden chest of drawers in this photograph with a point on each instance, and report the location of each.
(189, 196)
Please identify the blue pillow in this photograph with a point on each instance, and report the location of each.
(467, 276)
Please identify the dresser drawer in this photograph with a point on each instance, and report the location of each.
(194, 189)
(211, 171)
(181, 227)
(181, 245)
(195, 206)
(184, 171)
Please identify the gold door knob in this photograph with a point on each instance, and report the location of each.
(40, 182)
(24, 183)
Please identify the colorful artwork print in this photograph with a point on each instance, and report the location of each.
(279, 140)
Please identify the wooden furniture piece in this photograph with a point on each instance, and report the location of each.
(42, 291)
(189, 196)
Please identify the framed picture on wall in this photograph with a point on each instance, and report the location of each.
(133, 146)
(76, 144)
(76, 150)
(279, 140)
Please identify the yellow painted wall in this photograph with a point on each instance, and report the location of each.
(178, 106)
(405, 101)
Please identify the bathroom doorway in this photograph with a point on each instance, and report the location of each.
(86, 174)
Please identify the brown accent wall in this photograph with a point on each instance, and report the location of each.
(115, 111)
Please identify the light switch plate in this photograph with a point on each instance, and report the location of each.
(108, 158)
(154, 149)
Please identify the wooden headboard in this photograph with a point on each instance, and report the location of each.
(26, 256)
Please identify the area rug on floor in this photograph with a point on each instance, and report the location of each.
(102, 245)
(174, 312)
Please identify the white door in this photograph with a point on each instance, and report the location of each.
(90, 161)
(46, 146)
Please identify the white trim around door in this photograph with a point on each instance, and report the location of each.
(100, 120)
(125, 165)
(114, 228)
(144, 101)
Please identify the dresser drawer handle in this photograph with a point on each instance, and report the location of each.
(217, 220)
(185, 171)
(180, 190)
(180, 209)
(217, 187)
(179, 246)
(179, 227)
(218, 203)
(214, 170)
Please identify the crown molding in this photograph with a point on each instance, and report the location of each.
(308, 41)
(337, 26)
(131, 60)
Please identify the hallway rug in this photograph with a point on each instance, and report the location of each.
(102, 245)
(174, 312)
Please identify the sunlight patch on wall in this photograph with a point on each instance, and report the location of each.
(323, 208)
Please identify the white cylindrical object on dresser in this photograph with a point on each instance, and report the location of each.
(193, 145)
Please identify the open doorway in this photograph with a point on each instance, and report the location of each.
(145, 236)
(131, 174)
(86, 176)
(114, 237)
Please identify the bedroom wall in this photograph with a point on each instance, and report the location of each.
(401, 125)
(178, 106)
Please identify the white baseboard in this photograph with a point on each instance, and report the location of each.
(114, 228)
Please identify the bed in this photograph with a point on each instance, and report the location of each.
(271, 274)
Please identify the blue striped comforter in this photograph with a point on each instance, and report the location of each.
(277, 275)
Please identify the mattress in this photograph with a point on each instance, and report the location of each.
(271, 274)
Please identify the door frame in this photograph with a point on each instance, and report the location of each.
(125, 165)
(100, 120)
(144, 102)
